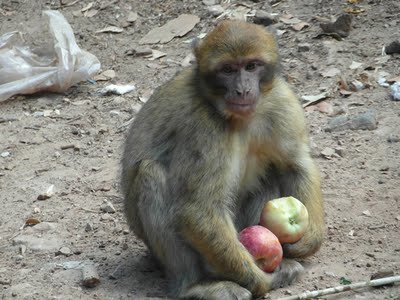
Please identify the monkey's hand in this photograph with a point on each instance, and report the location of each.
(307, 245)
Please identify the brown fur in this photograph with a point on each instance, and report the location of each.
(193, 176)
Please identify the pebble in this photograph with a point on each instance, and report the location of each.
(5, 154)
(264, 18)
(88, 227)
(64, 251)
(210, 2)
(107, 207)
(304, 47)
(393, 139)
(364, 121)
(395, 91)
(215, 10)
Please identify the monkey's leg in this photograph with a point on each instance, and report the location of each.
(304, 184)
(182, 265)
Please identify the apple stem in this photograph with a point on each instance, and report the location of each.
(343, 288)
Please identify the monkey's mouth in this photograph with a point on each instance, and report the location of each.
(242, 107)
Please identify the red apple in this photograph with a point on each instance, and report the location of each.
(286, 217)
(263, 245)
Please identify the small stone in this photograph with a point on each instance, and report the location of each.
(364, 121)
(105, 217)
(393, 47)
(304, 47)
(64, 251)
(264, 18)
(107, 207)
(132, 17)
(88, 227)
(393, 139)
(119, 100)
(215, 10)
(288, 292)
(330, 274)
(327, 152)
(5, 154)
(366, 213)
(114, 113)
(210, 2)
(22, 249)
(395, 91)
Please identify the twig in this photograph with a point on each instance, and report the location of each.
(343, 288)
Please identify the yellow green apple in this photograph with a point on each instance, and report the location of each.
(286, 217)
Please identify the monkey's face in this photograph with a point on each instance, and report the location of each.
(236, 63)
(237, 84)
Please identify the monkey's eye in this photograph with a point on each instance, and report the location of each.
(227, 69)
(250, 66)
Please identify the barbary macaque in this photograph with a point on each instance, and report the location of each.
(203, 156)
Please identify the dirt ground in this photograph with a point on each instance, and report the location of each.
(76, 146)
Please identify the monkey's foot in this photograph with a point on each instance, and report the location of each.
(286, 273)
(217, 290)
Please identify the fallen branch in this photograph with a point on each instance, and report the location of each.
(343, 288)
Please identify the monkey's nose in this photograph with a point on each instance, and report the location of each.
(242, 92)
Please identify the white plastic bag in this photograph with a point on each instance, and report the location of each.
(24, 72)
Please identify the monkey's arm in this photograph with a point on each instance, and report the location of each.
(303, 182)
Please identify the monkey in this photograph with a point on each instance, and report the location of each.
(205, 153)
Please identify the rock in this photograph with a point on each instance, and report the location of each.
(328, 152)
(107, 207)
(264, 18)
(64, 251)
(393, 47)
(364, 121)
(44, 227)
(119, 100)
(210, 2)
(215, 10)
(341, 26)
(304, 47)
(393, 139)
(90, 277)
(41, 244)
(395, 91)
(88, 227)
(5, 154)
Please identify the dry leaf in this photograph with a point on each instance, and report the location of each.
(354, 10)
(175, 28)
(87, 7)
(32, 222)
(394, 79)
(354, 1)
(313, 99)
(300, 26)
(155, 54)
(109, 73)
(111, 29)
(106, 75)
(91, 13)
(291, 21)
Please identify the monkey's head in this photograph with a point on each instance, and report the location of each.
(236, 63)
